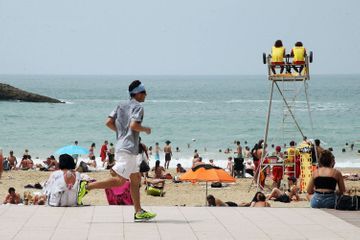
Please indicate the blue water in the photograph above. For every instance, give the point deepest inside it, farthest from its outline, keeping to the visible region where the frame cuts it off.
(212, 110)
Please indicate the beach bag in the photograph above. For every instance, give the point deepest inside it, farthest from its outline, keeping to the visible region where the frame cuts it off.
(346, 202)
(153, 191)
(119, 195)
(216, 185)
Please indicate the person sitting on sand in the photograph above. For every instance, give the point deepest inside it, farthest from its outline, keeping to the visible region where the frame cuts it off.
(37, 199)
(179, 168)
(216, 202)
(26, 164)
(62, 186)
(197, 161)
(159, 170)
(249, 167)
(322, 185)
(259, 200)
(12, 197)
(51, 164)
(12, 160)
(291, 194)
(26, 154)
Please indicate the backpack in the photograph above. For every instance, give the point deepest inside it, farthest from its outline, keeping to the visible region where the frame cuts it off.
(346, 202)
(119, 195)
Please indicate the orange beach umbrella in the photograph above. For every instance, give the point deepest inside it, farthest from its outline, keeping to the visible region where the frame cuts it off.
(206, 173)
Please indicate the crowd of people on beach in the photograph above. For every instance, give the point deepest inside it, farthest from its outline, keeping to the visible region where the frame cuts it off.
(241, 163)
(128, 164)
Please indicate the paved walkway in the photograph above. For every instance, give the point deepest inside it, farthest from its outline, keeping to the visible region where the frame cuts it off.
(116, 222)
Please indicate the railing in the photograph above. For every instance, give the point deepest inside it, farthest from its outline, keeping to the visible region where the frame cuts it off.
(288, 65)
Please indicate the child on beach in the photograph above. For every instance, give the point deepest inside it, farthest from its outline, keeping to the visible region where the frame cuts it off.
(180, 169)
(12, 197)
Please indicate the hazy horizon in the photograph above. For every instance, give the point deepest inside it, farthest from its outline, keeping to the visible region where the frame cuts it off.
(159, 37)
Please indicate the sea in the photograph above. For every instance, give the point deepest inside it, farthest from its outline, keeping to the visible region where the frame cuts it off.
(206, 113)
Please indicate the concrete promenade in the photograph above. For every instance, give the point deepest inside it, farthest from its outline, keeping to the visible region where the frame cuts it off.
(116, 222)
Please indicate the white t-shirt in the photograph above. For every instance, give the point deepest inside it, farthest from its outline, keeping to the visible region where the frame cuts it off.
(58, 193)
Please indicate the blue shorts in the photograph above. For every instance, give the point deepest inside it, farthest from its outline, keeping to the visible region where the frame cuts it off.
(320, 200)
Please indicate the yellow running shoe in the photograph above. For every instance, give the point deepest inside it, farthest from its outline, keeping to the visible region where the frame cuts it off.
(143, 216)
(82, 191)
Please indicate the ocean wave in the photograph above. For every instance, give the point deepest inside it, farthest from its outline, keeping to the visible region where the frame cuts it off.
(250, 101)
(175, 101)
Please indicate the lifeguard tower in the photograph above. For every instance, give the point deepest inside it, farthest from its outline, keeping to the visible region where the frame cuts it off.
(289, 85)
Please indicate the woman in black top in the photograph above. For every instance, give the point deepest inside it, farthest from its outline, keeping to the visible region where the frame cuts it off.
(322, 185)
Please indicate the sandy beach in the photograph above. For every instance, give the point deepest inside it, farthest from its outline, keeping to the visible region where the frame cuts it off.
(176, 194)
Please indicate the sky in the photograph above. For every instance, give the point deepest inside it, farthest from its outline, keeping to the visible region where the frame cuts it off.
(173, 37)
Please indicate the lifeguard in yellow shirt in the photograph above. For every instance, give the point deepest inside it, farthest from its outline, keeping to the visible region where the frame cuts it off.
(298, 53)
(277, 56)
(292, 162)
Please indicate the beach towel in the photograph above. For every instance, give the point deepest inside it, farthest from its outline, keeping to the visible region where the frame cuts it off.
(119, 195)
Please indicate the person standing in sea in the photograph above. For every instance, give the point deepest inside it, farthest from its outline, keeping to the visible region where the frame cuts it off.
(168, 154)
(103, 152)
(126, 120)
(157, 151)
(91, 151)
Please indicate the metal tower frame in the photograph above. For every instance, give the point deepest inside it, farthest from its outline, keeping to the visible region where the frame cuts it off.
(289, 78)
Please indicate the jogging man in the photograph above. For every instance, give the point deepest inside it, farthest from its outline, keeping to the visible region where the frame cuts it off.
(125, 120)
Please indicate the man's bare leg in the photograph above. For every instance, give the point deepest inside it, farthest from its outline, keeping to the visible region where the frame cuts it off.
(135, 179)
(114, 181)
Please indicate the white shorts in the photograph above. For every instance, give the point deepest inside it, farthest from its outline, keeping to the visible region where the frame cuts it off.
(126, 164)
